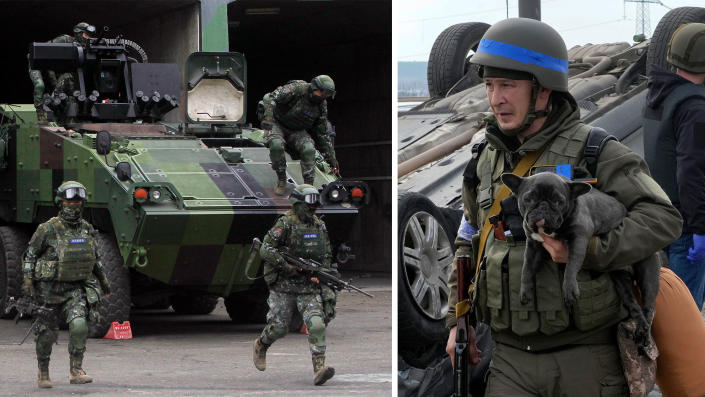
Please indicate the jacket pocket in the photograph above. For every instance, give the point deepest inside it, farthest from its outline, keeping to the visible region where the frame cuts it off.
(598, 303)
(525, 319)
(45, 270)
(549, 299)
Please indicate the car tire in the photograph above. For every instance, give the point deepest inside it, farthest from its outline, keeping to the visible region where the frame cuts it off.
(116, 308)
(448, 61)
(13, 243)
(425, 248)
(658, 48)
(194, 303)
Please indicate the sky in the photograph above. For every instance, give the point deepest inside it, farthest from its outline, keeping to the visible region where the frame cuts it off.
(419, 22)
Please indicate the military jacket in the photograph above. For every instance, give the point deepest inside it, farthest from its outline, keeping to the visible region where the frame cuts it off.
(289, 106)
(61, 258)
(545, 322)
(308, 241)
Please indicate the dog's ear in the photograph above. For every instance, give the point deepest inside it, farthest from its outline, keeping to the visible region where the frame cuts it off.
(579, 188)
(512, 181)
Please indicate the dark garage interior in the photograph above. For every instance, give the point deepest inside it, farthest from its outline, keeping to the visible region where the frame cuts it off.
(352, 42)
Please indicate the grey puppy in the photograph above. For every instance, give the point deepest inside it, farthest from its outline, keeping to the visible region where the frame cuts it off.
(574, 212)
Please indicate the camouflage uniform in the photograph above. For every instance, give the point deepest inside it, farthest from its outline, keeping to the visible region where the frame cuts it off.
(292, 290)
(65, 82)
(300, 122)
(62, 269)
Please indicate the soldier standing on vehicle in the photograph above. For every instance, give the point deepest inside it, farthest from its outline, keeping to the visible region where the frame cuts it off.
(674, 143)
(82, 33)
(62, 270)
(301, 232)
(542, 347)
(295, 116)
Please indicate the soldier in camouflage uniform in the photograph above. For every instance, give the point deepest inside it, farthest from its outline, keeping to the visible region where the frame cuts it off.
(295, 115)
(82, 33)
(62, 271)
(305, 235)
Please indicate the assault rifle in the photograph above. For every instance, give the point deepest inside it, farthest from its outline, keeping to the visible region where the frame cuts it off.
(315, 269)
(466, 352)
(25, 307)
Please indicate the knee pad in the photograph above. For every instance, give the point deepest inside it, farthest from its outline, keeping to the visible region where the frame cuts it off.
(315, 325)
(276, 145)
(78, 332)
(308, 153)
(276, 333)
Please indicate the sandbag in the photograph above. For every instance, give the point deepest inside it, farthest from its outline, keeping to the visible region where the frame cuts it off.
(679, 332)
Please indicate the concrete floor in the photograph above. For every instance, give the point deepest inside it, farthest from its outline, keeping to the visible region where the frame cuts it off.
(175, 355)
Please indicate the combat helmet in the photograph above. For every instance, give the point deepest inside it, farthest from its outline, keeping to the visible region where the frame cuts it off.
(526, 45)
(304, 194)
(325, 84)
(80, 29)
(686, 49)
(71, 191)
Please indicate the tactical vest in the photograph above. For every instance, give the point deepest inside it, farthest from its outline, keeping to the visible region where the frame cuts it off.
(660, 138)
(496, 297)
(299, 114)
(308, 241)
(75, 250)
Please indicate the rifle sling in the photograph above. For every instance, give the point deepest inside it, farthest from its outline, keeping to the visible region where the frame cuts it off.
(525, 164)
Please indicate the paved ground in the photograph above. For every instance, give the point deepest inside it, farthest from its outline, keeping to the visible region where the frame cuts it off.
(173, 355)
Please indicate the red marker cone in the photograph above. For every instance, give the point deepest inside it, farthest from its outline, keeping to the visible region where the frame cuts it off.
(119, 331)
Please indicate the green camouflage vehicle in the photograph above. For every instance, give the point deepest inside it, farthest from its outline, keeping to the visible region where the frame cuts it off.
(177, 204)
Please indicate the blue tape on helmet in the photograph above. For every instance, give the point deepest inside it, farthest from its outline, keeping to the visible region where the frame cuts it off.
(466, 230)
(522, 55)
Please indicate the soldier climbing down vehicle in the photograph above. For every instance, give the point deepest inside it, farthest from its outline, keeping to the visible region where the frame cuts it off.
(295, 116)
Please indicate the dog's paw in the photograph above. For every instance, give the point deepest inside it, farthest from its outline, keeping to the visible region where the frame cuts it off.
(537, 237)
(641, 334)
(525, 295)
(571, 293)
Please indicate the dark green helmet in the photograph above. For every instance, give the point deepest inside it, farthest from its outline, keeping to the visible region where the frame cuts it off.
(325, 84)
(84, 27)
(526, 45)
(304, 194)
(686, 49)
(71, 191)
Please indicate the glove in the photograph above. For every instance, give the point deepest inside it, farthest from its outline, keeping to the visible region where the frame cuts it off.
(27, 287)
(697, 253)
(333, 162)
(266, 125)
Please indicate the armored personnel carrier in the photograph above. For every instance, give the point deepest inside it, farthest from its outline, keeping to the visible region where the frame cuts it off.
(176, 204)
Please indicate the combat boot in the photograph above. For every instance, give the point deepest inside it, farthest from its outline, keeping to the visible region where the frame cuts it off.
(280, 187)
(43, 380)
(76, 374)
(41, 116)
(259, 354)
(321, 373)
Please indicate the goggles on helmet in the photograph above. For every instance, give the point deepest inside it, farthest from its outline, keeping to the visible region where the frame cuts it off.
(308, 198)
(73, 192)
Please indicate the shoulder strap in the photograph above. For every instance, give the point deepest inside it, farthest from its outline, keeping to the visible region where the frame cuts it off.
(596, 140)
(475, 151)
(521, 169)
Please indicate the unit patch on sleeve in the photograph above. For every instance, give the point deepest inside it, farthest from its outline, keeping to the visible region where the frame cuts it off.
(276, 232)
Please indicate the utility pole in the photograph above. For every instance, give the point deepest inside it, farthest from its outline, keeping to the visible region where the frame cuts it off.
(643, 18)
(530, 9)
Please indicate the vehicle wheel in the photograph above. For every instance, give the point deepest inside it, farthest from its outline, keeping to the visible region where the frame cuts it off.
(248, 307)
(448, 62)
(117, 307)
(658, 48)
(194, 304)
(425, 258)
(13, 243)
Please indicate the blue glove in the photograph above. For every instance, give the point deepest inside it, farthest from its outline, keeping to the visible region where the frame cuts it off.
(466, 230)
(697, 253)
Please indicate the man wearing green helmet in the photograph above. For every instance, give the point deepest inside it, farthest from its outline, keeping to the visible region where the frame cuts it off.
(295, 117)
(301, 232)
(674, 143)
(62, 271)
(82, 33)
(544, 347)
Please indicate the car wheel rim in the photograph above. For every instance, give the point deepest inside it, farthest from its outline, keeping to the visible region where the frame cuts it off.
(427, 257)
